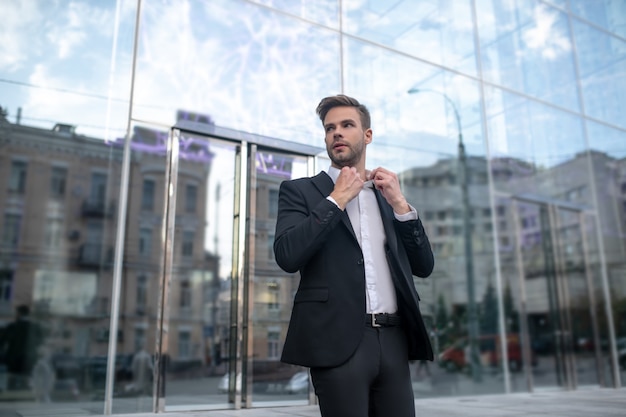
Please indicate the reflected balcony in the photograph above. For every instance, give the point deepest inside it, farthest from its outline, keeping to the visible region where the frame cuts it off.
(94, 255)
(97, 208)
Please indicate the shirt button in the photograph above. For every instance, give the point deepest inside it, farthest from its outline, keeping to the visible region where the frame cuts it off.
(359, 262)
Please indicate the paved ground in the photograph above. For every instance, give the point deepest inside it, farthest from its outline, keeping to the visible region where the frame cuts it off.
(591, 402)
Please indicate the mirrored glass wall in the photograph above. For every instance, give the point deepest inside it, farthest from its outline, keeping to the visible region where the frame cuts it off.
(503, 120)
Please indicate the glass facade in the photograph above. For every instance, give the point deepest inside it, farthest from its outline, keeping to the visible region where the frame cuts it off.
(142, 144)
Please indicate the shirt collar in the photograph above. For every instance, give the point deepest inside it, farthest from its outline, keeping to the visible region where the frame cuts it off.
(333, 173)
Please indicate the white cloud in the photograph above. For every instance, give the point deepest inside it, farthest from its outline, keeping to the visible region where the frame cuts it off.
(545, 36)
(21, 21)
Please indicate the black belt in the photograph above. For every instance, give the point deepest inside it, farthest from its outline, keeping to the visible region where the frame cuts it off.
(382, 320)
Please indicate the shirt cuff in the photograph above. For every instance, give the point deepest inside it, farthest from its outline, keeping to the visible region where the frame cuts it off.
(332, 200)
(411, 215)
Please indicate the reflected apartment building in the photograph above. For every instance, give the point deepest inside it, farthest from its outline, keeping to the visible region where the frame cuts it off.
(548, 249)
(58, 235)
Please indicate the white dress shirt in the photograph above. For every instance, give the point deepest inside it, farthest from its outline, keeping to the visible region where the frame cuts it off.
(366, 221)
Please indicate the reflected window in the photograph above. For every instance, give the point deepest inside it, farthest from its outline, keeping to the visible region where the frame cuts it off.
(273, 203)
(191, 195)
(187, 244)
(273, 342)
(184, 344)
(145, 241)
(147, 195)
(97, 195)
(6, 285)
(270, 246)
(17, 182)
(185, 295)
(58, 179)
(11, 230)
(273, 300)
(141, 295)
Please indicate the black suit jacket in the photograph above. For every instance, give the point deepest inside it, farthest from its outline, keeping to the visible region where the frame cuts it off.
(313, 236)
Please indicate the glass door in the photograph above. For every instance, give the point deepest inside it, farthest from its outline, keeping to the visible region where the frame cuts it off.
(270, 290)
(552, 293)
(199, 337)
(225, 304)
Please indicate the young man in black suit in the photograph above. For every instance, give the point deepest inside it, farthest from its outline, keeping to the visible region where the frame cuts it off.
(357, 244)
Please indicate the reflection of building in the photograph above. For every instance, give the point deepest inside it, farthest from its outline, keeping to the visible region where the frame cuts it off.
(434, 191)
(273, 288)
(59, 218)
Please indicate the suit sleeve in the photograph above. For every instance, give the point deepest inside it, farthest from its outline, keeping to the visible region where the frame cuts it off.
(302, 226)
(417, 246)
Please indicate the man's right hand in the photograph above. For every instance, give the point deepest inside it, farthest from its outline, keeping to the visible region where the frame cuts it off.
(349, 184)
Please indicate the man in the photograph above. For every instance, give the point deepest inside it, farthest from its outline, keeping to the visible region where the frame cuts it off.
(19, 343)
(356, 243)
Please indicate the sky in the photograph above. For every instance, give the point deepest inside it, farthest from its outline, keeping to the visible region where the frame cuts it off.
(257, 70)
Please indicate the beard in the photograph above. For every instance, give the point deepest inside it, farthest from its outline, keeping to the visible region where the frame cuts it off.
(349, 156)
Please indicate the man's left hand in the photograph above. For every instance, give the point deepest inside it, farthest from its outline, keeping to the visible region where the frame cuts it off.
(387, 183)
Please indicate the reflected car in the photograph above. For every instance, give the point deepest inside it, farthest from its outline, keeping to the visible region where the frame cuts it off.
(453, 358)
(298, 384)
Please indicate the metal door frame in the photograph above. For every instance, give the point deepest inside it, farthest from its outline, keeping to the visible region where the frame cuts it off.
(567, 363)
(243, 250)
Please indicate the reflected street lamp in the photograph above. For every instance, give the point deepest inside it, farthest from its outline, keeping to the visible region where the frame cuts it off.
(472, 318)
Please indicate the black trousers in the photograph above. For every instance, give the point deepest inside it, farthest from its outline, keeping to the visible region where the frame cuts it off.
(374, 382)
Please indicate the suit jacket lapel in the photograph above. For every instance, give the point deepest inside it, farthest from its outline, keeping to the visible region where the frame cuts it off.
(325, 185)
(386, 213)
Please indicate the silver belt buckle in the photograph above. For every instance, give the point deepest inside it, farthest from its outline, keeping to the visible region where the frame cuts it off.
(374, 324)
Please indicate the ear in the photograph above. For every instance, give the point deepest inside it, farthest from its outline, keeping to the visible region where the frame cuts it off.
(368, 136)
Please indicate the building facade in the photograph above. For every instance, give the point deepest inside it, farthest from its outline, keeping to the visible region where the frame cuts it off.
(143, 143)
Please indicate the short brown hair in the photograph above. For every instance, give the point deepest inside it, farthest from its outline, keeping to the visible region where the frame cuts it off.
(341, 100)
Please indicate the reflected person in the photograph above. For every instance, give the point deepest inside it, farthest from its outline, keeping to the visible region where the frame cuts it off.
(19, 344)
(357, 243)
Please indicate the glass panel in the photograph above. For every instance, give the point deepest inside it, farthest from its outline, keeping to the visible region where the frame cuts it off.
(526, 46)
(527, 138)
(58, 204)
(572, 265)
(43, 81)
(272, 289)
(438, 31)
(610, 175)
(609, 15)
(411, 109)
(245, 65)
(602, 66)
(325, 12)
(132, 389)
(59, 187)
(522, 360)
(459, 300)
(200, 291)
(543, 306)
